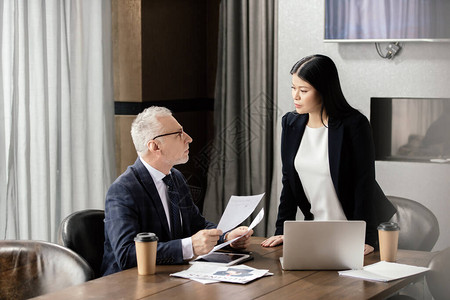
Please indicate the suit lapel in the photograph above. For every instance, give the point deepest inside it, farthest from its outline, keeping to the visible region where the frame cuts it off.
(146, 181)
(297, 125)
(335, 138)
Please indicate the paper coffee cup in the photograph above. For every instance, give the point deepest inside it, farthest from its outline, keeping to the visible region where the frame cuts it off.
(388, 237)
(146, 243)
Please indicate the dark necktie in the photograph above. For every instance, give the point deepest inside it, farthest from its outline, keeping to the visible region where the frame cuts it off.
(174, 199)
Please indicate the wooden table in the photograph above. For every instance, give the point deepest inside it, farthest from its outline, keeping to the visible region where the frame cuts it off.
(282, 285)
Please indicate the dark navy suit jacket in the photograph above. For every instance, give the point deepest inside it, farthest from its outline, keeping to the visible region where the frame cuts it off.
(132, 206)
(352, 166)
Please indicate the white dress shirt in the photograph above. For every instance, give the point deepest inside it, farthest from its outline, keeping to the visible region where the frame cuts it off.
(161, 187)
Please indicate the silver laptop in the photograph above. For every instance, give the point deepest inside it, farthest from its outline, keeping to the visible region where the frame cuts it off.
(323, 245)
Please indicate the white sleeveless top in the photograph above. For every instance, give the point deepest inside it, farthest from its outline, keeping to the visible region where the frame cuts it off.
(312, 165)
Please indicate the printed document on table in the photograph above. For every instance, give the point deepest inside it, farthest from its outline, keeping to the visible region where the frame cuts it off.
(384, 271)
(209, 273)
(238, 209)
(255, 222)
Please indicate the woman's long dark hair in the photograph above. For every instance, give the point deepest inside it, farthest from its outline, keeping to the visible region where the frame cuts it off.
(321, 72)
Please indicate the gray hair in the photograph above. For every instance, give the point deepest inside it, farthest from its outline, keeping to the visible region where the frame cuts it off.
(146, 126)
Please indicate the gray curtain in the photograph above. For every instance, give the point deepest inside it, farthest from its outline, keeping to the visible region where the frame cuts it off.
(56, 113)
(242, 155)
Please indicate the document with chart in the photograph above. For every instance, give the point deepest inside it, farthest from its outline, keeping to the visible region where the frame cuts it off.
(210, 273)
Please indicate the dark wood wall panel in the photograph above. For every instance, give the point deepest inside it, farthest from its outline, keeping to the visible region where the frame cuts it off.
(175, 67)
(179, 45)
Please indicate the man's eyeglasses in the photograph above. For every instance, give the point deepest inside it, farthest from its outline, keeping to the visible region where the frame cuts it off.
(179, 132)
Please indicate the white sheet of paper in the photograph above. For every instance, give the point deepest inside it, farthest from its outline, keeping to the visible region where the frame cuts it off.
(205, 281)
(255, 222)
(238, 209)
(384, 271)
(257, 219)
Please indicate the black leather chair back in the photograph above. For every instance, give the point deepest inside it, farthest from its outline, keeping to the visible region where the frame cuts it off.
(438, 278)
(83, 232)
(32, 268)
(419, 227)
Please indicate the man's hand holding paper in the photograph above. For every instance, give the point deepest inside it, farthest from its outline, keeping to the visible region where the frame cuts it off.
(238, 209)
(204, 240)
(244, 233)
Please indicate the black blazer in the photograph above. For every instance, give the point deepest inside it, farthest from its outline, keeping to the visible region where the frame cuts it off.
(352, 167)
(132, 206)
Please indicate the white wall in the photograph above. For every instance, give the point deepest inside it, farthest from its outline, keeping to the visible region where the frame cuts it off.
(420, 70)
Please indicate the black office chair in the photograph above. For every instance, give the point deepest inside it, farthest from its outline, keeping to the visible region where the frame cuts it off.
(83, 232)
(32, 268)
(419, 228)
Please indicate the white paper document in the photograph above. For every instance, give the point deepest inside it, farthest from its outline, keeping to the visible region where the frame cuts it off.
(238, 209)
(384, 271)
(210, 273)
(255, 222)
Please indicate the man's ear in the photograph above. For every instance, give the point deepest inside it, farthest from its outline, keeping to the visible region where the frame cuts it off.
(153, 146)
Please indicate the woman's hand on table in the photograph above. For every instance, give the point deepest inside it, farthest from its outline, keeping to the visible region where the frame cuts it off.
(368, 249)
(273, 241)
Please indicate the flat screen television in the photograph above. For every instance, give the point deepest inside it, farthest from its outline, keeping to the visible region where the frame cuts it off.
(387, 20)
(411, 129)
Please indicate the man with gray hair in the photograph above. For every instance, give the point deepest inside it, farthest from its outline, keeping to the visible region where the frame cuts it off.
(152, 196)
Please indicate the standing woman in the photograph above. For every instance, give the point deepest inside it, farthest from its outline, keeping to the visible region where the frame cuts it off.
(328, 155)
